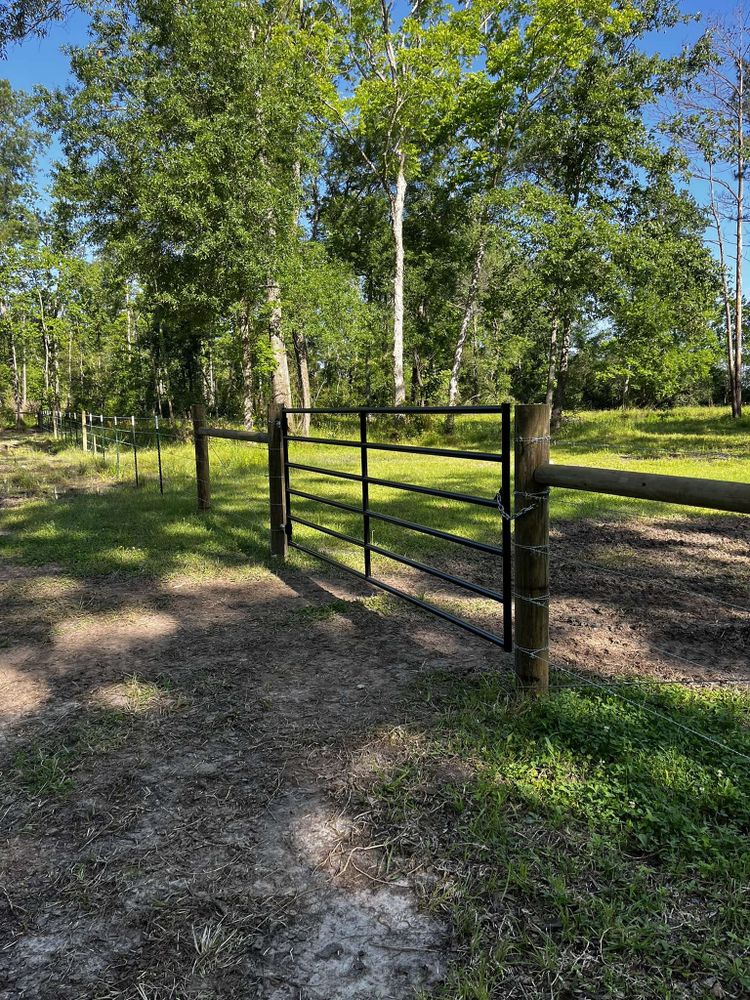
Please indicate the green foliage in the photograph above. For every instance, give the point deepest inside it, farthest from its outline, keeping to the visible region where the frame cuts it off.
(227, 197)
(44, 774)
(21, 19)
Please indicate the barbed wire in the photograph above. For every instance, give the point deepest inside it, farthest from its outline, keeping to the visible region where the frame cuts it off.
(636, 577)
(586, 447)
(661, 650)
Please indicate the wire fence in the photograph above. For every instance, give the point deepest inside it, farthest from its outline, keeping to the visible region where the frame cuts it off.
(643, 704)
(632, 640)
(120, 439)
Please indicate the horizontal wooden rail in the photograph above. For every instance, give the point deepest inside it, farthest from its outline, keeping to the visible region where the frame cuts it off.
(714, 494)
(260, 437)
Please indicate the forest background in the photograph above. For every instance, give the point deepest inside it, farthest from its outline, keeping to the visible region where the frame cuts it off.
(326, 203)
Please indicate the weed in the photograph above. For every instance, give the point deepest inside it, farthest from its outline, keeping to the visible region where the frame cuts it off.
(214, 945)
(319, 612)
(44, 774)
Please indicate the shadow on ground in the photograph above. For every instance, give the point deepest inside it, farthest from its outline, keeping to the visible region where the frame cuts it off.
(167, 754)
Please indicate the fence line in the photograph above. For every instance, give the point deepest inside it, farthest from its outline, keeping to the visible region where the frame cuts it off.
(94, 432)
(535, 478)
(544, 551)
(611, 689)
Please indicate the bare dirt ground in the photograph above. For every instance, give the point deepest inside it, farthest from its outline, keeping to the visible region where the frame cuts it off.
(174, 804)
(667, 598)
(174, 835)
(676, 605)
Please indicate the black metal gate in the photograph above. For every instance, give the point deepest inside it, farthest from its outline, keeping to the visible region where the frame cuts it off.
(368, 514)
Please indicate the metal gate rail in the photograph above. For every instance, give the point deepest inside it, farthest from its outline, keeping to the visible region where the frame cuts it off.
(367, 513)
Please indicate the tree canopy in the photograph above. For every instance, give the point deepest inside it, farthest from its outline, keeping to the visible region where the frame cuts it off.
(355, 202)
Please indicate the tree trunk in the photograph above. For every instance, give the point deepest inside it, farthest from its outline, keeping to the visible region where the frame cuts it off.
(16, 381)
(477, 394)
(210, 383)
(397, 225)
(729, 334)
(417, 382)
(128, 320)
(56, 371)
(739, 239)
(552, 363)
(469, 307)
(51, 368)
(303, 373)
(281, 390)
(558, 405)
(45, 343)
(246, 345)
(70, 370)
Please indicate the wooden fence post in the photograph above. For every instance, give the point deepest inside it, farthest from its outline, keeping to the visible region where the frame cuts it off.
(202, 469)
(117, 445)
(84, 432)
(531, 544)
(277, 482)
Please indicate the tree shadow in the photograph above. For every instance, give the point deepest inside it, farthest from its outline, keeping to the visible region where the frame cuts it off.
(150, 729)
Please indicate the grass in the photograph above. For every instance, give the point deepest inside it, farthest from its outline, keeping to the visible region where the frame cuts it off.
(131, 531)
(42, 773)
(684, 434)
(579, 846)
(46, 770)
(42, 467)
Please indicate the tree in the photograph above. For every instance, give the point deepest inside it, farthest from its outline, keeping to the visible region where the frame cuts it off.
(526, 48)
(588, 148)
(18, 144)
(347, 203)
(184, 139)
(21, 18)
(712, 124)
(405, 78)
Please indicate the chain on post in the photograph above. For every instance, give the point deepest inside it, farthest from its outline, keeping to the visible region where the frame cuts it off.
(536, 498)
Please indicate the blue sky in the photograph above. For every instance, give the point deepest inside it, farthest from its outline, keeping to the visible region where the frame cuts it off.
(43, 61)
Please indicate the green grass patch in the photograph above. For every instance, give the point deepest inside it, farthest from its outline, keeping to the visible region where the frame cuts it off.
(132, 531)
(320, 612)
(581, 846)
(43, 773)
(47, 770)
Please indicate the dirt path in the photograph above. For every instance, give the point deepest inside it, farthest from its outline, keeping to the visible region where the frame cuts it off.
(176, 835)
